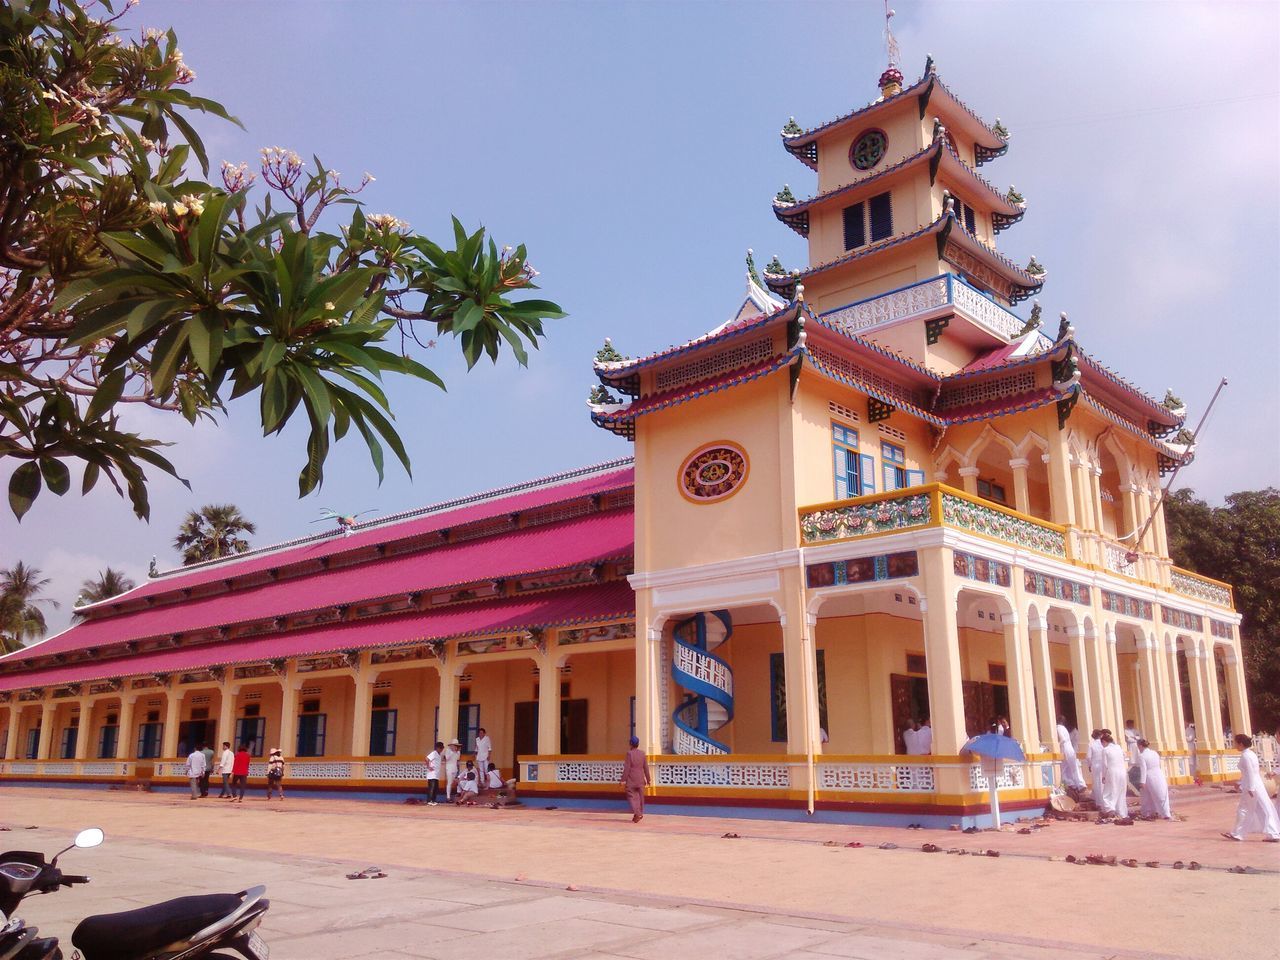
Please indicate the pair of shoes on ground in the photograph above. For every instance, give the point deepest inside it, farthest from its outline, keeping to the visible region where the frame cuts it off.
(368, 873)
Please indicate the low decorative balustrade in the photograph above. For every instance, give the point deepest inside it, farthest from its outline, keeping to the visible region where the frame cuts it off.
(991, 521)
(876, 777)
(589, 771)
(1231, 763)
(739, 774)
(925, 297)
(1202, 588)
(1013, 777)
(864, 516)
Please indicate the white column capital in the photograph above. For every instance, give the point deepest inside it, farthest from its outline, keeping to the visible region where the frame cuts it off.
(968, 471)
(1045, 458)
(1019, 463)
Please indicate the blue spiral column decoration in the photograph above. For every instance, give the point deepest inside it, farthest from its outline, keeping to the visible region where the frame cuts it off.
(708, 703)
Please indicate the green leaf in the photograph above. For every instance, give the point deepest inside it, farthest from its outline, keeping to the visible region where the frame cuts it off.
(105, 397)
(56, 475)
(468, 317)
(24, 487)
(204, 333)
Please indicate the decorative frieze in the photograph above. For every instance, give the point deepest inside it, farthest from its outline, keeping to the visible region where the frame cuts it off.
(336, 661)
(476, 592)
(253, 671)
(612, 631)
(145, 683)
(877, 777)
(973, 567)
(401, 655)
(1222, 629)
(1173, 617)
(1056, 588)
(967, 515)
(1127, 606)
(547, 581)
(862, 519)
(520, 641)
(887, 566)
(760, 776)
(197, 676)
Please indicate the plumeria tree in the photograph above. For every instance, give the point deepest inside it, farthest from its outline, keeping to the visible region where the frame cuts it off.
(126, 277)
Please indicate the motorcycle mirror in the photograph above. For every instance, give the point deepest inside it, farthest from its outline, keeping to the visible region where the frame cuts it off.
(89, 837)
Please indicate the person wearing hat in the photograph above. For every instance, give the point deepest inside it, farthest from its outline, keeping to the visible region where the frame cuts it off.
(275, 773)
(451, 754)
(635, 777)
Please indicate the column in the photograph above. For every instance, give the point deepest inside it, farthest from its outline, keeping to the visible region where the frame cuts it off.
(1175, 691)
(1060, 493)
(1213, 696)
(549, 707)
(1143, 503)
(124, 736)
(1146, 676)
(1129, 515)
(85, 732)
(1080, 495)
(648, 670)
(47, 709)
(290, 687)
(1237, 699)
(227, 716)
(1021, 495)
(362, 707)
(450, 684)
(172, 713)
(969, 476)
(1095, 488)
(1195, 680)
(942, 655)
(1042, 672)
(1116, 718)
(1080, 683)
(1099, 683)
(11, 735)
(1021, 698)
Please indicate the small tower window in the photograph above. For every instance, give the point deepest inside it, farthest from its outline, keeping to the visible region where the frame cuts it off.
(873, 219)
(868, 149)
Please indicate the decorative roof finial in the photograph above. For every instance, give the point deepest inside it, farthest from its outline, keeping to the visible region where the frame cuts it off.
(1035, 267)
(600, 396)
(1014, 197)
(784, 196)
(1065, 328)
(751, 267)
(1173, 403)
(792, 129)
(153, 570)
(774, 268)
(607, 354)
(890, 44)
(999, 130)
(928, 64)
(948, 204)
(1034, 322)
(799, 293)
(939, 131)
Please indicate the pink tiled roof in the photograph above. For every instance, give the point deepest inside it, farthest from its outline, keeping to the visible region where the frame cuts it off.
(574, 605)
(568, 543)
(387, 530)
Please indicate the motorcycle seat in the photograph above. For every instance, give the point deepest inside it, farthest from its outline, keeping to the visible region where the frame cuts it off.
(134, 933)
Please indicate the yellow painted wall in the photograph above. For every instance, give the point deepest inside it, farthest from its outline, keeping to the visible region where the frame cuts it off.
(414, 695)
(268, 701)
(607, 682)
(748, 654)
(903, 128)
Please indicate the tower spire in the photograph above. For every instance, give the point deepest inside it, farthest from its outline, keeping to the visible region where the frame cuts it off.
(891, 79)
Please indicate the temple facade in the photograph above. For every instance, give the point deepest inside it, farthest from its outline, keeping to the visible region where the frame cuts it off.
(876, 493)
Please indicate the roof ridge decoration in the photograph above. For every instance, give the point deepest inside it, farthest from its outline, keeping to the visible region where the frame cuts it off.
(496, 493)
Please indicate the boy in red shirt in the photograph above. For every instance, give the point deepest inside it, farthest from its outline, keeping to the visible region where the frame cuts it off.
(240, 774)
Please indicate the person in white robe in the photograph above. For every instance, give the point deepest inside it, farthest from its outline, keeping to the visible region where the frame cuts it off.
(924, 738)
(484, 747)
(1191, 745)
(1131, 738)
(1152, 783)
(1095, 766)
(1255, 813)
(1070, 762)
(909, 737)
(1115, 778)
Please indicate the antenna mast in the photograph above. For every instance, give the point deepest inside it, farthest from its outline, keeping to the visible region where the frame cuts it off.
(890, 42)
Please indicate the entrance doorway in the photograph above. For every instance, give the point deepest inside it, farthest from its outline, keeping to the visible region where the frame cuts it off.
(192, 733)
(910, 697)
(524, 741)
(573, 726)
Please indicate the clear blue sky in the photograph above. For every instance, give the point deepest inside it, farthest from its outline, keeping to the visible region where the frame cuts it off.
(1144, 138)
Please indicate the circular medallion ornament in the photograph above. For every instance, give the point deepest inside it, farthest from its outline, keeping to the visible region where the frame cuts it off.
(868, 149)
(714, 472)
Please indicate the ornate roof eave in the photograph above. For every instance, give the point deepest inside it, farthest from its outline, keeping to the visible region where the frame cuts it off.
(824, 330)
(616, 373)
(622, 420)
(1024, 284)
(1110, 381)
(1001, 205)
(796, 215)
(1178, 453)
(853, 255)
(803, 146)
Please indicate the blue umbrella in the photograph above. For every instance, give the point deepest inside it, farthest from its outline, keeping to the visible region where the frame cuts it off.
(996, 747)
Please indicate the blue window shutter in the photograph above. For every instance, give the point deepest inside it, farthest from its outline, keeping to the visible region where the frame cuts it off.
(881, 209)
(890, 477)
(868, 472)
(915, 478)
(842, 483)
(855, 226)
(969, 220)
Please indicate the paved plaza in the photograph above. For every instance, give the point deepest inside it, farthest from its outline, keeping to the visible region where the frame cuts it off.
(576, 884)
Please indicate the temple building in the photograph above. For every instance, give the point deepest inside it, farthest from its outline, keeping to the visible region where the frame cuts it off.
(876, 493)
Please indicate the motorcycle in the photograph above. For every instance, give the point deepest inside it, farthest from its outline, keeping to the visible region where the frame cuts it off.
(180, 929)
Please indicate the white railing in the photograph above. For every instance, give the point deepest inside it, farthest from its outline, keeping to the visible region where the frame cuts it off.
(1231, 763)
(877, 777)
(890, 307)
(392, 770)
(588, 771)
(702, 666)
(20, 767)
(1012, 777)
(753, 775)
(687, 745)
(1116, 559)
(104, 768)
(984, 311)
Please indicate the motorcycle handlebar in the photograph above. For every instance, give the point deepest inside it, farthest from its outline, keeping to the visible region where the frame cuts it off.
(69, 879)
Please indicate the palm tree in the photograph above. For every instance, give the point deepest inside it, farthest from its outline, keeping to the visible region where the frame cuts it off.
(212, 532)
(109, 583)
(21, 618)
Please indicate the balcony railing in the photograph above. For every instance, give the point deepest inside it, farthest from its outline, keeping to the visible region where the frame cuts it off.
(927, 296)
(1202, 588)
(930, 505)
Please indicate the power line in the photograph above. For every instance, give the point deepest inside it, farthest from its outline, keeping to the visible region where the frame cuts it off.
(1147, 111)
